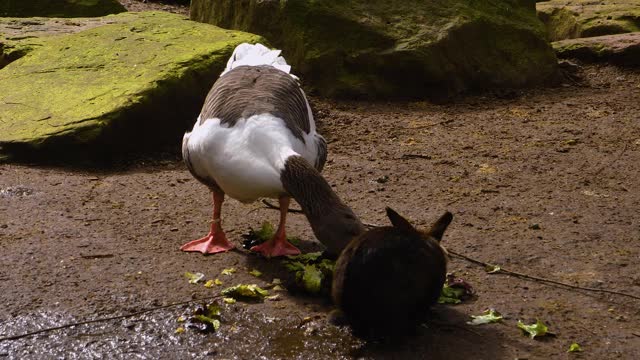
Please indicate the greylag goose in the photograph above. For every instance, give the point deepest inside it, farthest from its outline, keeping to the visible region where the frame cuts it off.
(255, 138)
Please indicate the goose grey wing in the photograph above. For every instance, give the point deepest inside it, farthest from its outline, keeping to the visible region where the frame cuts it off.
(253, 90)
(321, 158)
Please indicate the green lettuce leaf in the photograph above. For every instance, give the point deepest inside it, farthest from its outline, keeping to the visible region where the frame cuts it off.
(489, 316)
(252, 291)
(575, 347)
(312, 279)
(194, 278)
(451, 295)
(533, 330)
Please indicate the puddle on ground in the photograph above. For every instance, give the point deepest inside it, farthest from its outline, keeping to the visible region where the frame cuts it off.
(16, 191)
(244, 334)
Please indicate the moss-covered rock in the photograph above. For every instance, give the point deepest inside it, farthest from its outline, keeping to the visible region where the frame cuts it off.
(569, 19)
(560, 23)
(59, 8)
(138, 81)
(621, 49)
(20, 35)
(381, 48)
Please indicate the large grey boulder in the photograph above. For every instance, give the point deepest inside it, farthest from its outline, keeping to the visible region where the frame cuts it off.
(382, 48)
(620, 49)
(126, 82)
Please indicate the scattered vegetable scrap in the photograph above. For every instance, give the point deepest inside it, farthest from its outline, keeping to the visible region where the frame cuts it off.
(217, 282)
(228, 271)
(209, 284)
(306, 258)
(206, 318)
(313, 273)
(277, 285)
(229, 300)
(575, 347)
(489, 316)
(450, 295)
(194, 278)
(312, 279)
(257, 237)
(455, 290)
(255, 273)
(244, 291)
(266, 232)
(492, 269)
(533, 330)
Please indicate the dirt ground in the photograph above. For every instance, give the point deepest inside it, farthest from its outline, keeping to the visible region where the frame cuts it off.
(543, 182)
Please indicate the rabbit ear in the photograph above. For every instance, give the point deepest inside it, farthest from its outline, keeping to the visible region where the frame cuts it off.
(438, 228)
(398, 221)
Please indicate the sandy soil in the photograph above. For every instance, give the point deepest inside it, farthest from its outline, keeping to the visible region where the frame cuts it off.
(543, 182)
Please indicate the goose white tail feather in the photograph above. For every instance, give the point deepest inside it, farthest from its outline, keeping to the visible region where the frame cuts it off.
(254, 55)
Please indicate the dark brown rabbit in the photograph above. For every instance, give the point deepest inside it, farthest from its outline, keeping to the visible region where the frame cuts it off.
(386, 279)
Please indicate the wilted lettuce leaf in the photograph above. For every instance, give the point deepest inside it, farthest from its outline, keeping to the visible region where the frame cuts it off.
(255, 273)
(492, 269)
(215, 323)
(293, 266)
(489, 316)
(575, 347)
(312, 279)
(213, 310)
(450, 295)
(455, 290)
(265, 233)
(194, 278)
(312, 272)
(228, 271)
(533, 330)
(205, 318)
(327, 267)
(252, 291)
(305, 258)
(456, 282)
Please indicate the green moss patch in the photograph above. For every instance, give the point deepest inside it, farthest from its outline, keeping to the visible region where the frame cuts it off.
(138, 81)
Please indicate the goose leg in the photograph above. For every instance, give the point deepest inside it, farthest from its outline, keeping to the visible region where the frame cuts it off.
(278, 246)
(215, 241)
